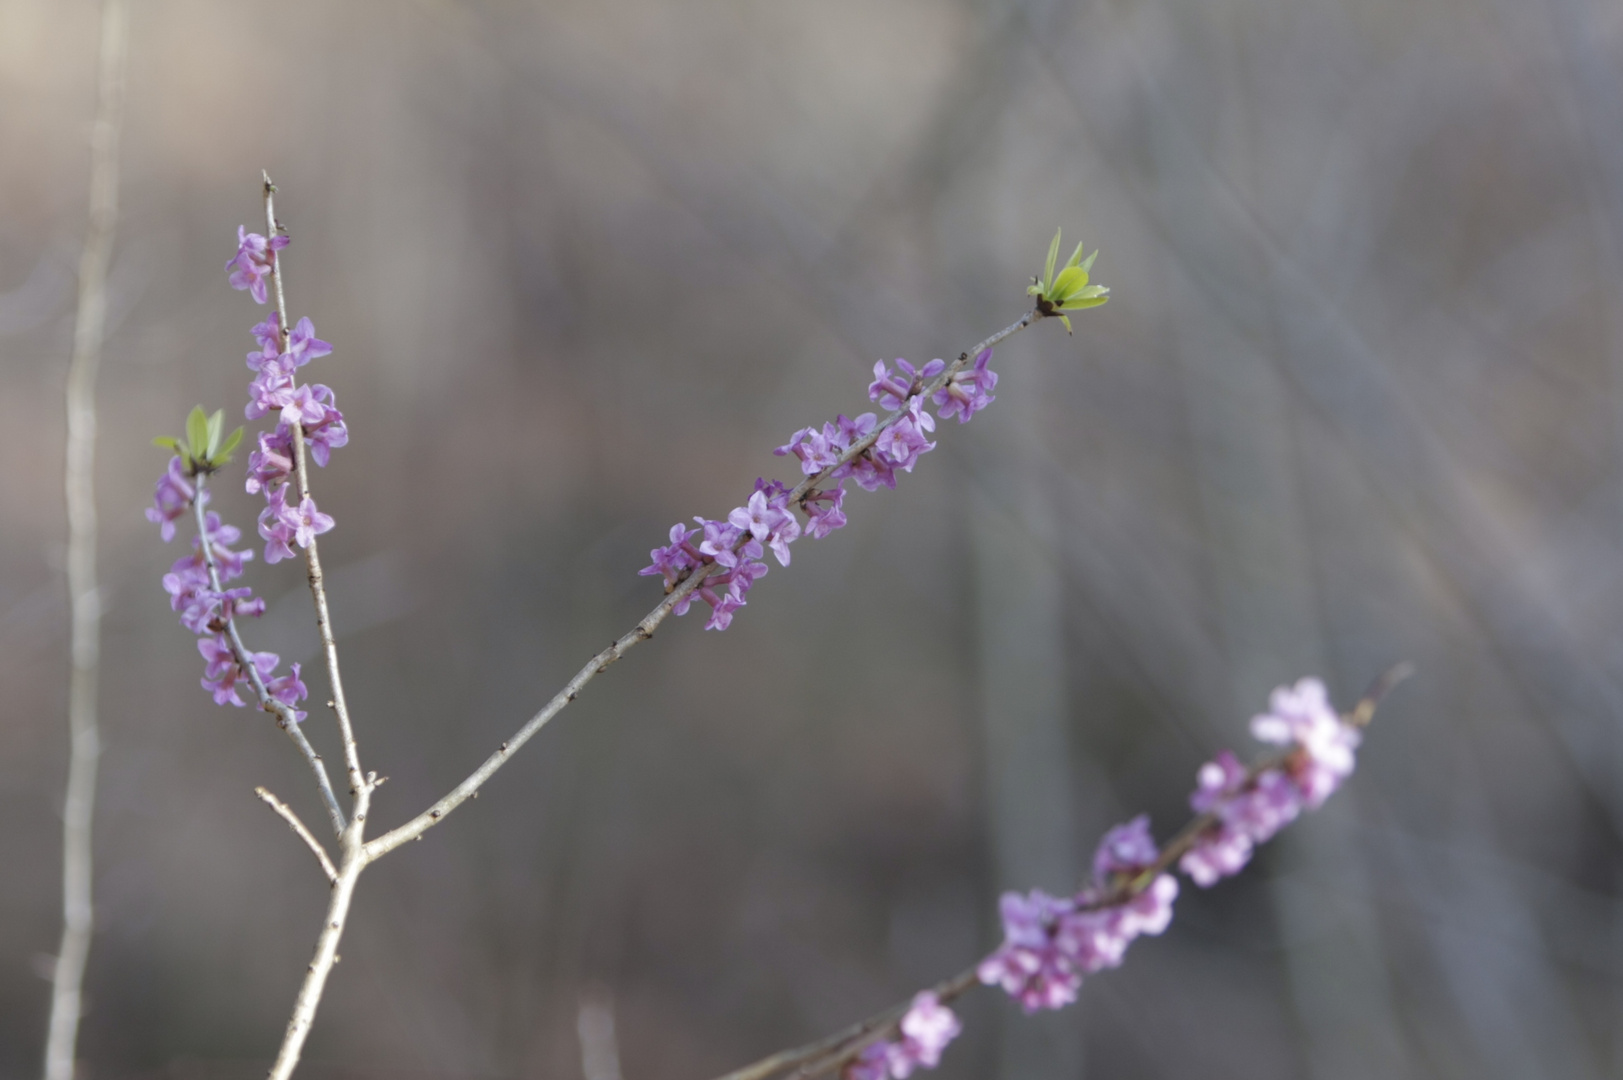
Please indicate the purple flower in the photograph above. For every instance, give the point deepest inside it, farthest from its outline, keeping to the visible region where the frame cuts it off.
(824, 519)
(219, 536)
(222, 672)
(274, 526)
(892, 389)
(889, 389)
(253, 262)
(846, 433)
(303, 346)
(1125, 850)
(269, 391)
(1150, 912)
(272, 463)
(1219, 851)
(1268, 804)
(720, 538)
(328, 432)
(171, 498)
(269, 334)
(968, 391)
(721, 609)
(1029, 965)
(903, 442)
(926, 1029)
(301, 406)
(307, 522)
(676, 559)
(1326, 748)
(186, 577)
(815, 449)
(766, 519)
(289, 690)
(873, 1063)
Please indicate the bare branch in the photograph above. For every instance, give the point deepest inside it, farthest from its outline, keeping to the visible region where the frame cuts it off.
(352, 860)
(283, 715)
(645, 629)
(303, 833)
(318, 587)
(90, 323)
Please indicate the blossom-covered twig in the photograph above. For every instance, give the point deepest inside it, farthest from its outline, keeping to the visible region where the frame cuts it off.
(679, 594)
(1092, 931)
(249, 664)
(301, 473)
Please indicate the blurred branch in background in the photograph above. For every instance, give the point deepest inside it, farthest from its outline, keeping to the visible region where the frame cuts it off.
(84, 595)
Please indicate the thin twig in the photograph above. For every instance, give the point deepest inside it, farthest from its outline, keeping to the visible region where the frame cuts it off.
(645, 629)
(283, 715)
(833, 1051)
(318, 587)
(89, 328)
(303, 833)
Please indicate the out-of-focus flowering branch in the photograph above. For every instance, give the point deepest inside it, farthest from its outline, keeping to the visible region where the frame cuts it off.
(1051, 943)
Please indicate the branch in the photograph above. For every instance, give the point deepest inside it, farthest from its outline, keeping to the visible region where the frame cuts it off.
(284, 717)
(318, 587)
(90, 324)
(303, 833)
(833, 1051)
(645, 629)
(352, 860)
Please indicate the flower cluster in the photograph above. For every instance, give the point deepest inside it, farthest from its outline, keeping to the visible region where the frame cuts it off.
(926, 1029)
(1251, 807)
(254, 261)
(738, 543)
(208, 612)
(205, 610)
(1051, 942)
(275, 389)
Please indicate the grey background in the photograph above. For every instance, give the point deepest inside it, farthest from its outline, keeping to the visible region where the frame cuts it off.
(1358, 397)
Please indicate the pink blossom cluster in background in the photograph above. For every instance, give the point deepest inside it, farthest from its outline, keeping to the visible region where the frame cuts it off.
(283, 523)
(926, 1029)
(1250, 809)
(1050, 943)
(738, 543)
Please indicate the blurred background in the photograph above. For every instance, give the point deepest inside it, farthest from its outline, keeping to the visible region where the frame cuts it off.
(1358, 397)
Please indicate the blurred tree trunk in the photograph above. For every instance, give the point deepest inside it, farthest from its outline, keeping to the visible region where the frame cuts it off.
(1260, 568)
(1021, 651)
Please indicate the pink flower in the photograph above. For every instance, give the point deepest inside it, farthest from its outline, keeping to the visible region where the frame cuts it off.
(254, 260)
(1302, 715)
(171, 498)
(926, 1030)
(968, 391)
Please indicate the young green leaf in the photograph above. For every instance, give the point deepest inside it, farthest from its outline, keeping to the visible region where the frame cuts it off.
(167, 443)
(223, 455)
(197, 431)
(1053, 253)
(216, 426)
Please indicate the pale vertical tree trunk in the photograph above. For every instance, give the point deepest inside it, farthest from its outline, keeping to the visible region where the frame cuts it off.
(1020, 647)
(85, 748)
(1263, 585)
